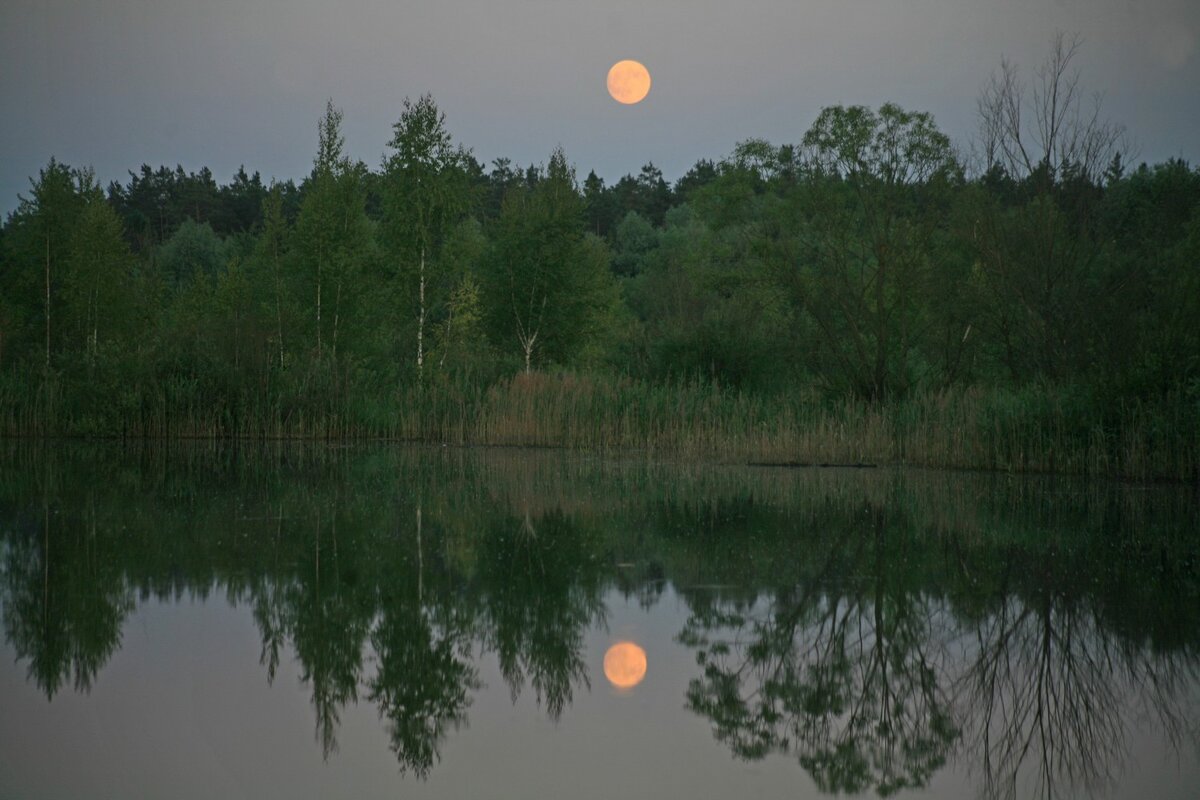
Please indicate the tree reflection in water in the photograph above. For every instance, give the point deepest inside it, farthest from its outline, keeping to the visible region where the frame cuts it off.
(422, 685)
(63, 601)
(875, 629)
(1048, 697)
(873, 682)
(853, 683)
(539, 597)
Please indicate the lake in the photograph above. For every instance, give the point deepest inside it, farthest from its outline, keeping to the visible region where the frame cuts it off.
(201, 620)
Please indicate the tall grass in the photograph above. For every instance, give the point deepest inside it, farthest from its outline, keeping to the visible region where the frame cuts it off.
(1031, 430)
(1036, 429)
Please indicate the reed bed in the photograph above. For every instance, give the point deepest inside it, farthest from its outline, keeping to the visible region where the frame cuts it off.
(1037, 429)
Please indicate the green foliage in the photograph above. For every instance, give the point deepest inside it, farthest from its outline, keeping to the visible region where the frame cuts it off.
(38, 245)
(634, 242)
(426, 191)
(332, 236)
(711, 308)
(843, 294)
(424, 179)
(271, 259)
(193, 250)
(547, 284)
(877, 195)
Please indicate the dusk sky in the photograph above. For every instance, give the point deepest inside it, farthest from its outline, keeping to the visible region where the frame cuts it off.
(114, 83)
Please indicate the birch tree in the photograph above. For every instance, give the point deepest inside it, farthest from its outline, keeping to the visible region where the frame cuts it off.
(272, 247)
(425, 192)
(548, 284)
(43, 225)
(332, 227)
(98, 286)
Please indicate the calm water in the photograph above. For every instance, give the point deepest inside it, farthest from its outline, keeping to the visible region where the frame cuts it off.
(382, 622)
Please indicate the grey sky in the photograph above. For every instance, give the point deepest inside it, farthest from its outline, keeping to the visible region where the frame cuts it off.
(114, 83)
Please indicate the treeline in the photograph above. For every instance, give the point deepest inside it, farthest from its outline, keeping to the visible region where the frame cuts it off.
(1040, 289)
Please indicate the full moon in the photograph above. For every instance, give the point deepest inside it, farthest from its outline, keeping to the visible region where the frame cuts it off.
(625, 665)
(628, 82)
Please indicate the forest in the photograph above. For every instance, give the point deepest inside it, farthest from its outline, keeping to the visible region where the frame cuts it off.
(871, 293)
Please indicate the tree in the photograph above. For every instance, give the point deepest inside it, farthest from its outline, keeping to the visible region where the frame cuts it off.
(1148, 342)
(597, 205)
(1045, 128)
(655, 193)
(547, 281)
(872, 208)
(700, 175)
(232, 297)
(765, 162)
(712, 307)
(43, 224)
(425, 192)
(1039, 253)
(193, 249)
(500, 180)
(332, 227)
(636, 239)
(460, 339)
(99, 283)
(241, 202)
(648, 194)
(272, 247)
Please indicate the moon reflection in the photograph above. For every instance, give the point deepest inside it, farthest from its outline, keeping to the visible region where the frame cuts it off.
(625, 665)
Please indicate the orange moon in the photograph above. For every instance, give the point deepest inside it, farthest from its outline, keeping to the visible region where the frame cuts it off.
(628, 82)
(625, 665)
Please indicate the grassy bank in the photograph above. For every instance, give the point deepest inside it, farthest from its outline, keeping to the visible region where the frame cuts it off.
(1037, 429)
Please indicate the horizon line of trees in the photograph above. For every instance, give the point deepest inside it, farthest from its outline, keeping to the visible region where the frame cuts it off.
(865, 259)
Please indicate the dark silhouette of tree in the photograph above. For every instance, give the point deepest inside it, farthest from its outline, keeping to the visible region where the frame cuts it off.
(63, 598)
(1048, 698)
(853, 684)
(422, 684)
(540, 601)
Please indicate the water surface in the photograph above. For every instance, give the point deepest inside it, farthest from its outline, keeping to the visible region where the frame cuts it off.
(373, 622)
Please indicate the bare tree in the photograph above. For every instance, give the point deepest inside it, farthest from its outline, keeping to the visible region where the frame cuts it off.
(1049, 699)
(852, 683)
(1039, 256)
(1048, 124)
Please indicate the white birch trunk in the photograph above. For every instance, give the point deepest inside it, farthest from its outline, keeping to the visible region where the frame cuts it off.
(421, 318)
(320, 258)
(47, 302)
(446, 341)
(279, 308)
(337, 313)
